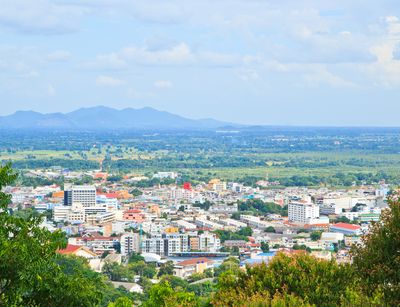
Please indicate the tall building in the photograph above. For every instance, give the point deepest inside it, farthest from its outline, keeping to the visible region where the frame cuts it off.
(67, 198)
(130, 243)
(302, 212)
(85, 195)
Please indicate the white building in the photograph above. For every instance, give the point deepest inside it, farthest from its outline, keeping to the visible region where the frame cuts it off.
(208, 242)
(302, 212)
(130, 243)
(85, 195)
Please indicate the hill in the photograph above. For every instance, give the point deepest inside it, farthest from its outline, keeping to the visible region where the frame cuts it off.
(99, 118)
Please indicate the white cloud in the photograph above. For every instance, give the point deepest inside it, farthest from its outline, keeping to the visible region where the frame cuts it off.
(321, 76)
(39, 17)
(163, 84)
(51, 91)
(108, 81)
(59, 56)
(179, 54)
(136, 94)
(386, 69)
(248, 75)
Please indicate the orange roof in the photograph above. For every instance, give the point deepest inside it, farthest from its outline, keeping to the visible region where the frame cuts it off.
(193, 261)
(346, 226)
(70, 249)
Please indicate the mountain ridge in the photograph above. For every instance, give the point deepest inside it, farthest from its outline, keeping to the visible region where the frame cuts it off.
(103, 117)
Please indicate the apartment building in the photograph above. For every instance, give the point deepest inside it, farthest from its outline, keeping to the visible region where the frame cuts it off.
(302, 212)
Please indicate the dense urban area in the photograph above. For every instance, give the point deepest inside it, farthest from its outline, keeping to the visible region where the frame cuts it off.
(171, 219)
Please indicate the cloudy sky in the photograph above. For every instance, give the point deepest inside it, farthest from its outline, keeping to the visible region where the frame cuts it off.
(276, 62)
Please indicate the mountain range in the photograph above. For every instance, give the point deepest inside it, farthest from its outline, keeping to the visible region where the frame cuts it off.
(99, 118)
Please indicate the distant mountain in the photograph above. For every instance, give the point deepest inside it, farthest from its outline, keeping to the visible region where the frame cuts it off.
(98, 118)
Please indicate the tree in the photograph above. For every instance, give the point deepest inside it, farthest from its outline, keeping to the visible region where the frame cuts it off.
(136, 192)
(135, 257)
(32, 273)
(265, 247)
(143, 269)
(315, 235)
(163, 294)
(246, 231)
(121, 302)
(270, 229)
(377, 258)
(166, 269)
(117, 272)
(300, 277)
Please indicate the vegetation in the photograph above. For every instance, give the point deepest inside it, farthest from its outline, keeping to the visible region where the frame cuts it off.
(32, 273)
(337, 157)
(257, 206)
(377, 259)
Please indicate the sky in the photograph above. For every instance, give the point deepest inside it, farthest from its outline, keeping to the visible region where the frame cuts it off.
(268, 62)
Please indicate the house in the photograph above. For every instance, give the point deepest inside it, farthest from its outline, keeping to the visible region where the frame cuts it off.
(188, 267)
(346, 229)
(77, 250)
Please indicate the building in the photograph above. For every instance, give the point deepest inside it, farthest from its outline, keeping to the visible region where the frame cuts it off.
(153, 245)
(130, 243)
(85, 195)
(78, 250)
(208, 242)
(189, 267)
(302, 212)
(346, 229)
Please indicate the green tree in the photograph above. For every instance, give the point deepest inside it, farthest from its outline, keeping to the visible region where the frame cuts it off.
(32, 273)
(315, 235)
(163, 294)
(245, 231)
(121, 302)
(143, 269)
(166, 269)
(117, 272)
(135, 257)
(377, 258)
(265, 247)
(308, 280)
(270, 229)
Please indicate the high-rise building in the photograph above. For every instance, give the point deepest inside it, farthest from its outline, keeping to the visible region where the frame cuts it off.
(85, 195)
(130, 243)
(302, 212)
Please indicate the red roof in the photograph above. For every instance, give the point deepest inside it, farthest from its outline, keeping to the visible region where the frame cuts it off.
(70, 249)
(193, 261)
(347, 226)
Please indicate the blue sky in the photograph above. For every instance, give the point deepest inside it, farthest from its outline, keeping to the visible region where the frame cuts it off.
(304, 62)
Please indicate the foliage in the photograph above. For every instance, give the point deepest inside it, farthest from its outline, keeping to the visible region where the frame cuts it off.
(302, 277)
(377, 258)
(135, 257)
(258, 206)
(166, 269)
(136, 192)
(315, 235)
(245, 231)
(230, 235)
(143, 269)
(117, 272)
(265, 247)
(121, 302)
(163, 294)
(204, 205)
(31, 270)
(270, 229)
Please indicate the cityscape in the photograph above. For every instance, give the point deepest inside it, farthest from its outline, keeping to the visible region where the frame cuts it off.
(199, 153)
